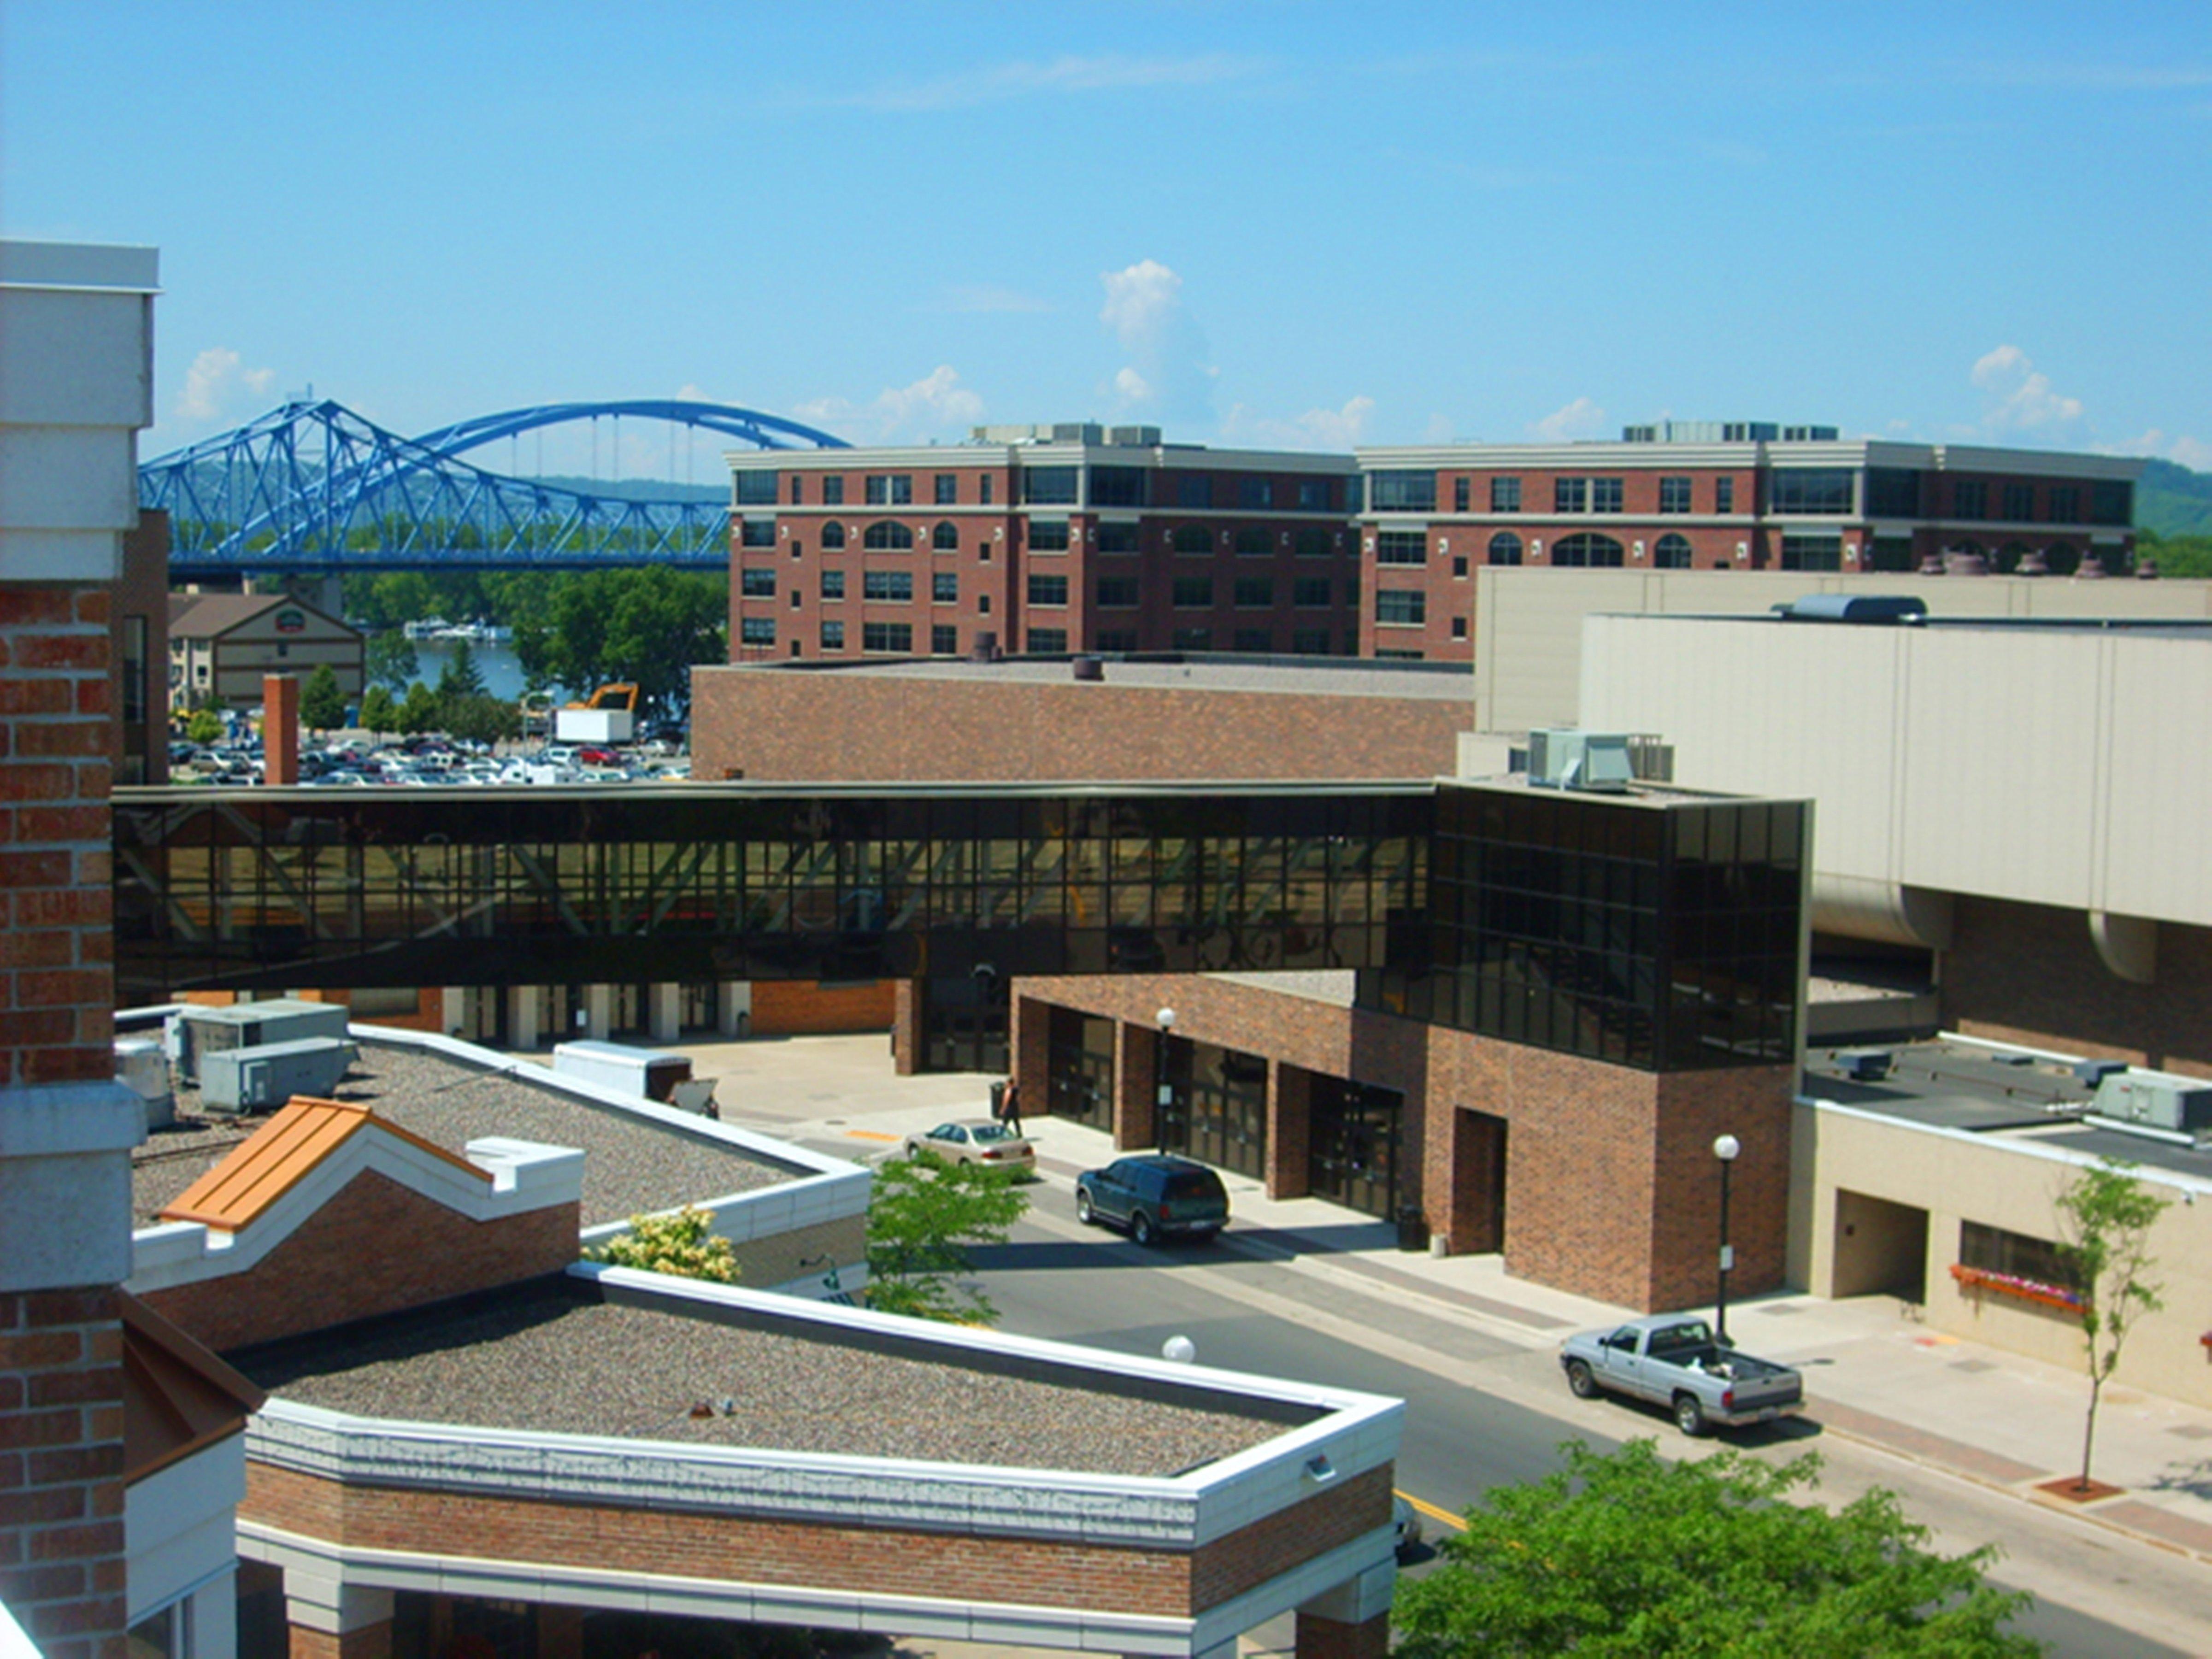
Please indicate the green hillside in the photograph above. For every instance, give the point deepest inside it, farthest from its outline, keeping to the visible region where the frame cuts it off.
(2173, 500)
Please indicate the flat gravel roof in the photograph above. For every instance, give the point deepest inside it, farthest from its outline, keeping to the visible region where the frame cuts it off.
(552, 1358)
(631, 1165)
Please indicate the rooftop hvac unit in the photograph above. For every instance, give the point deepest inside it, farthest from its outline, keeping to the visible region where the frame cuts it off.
(253, 1079)
(200, 1031)
(141, 1065)
(2155, 1100)
(1562, 759)
(1865, 1065)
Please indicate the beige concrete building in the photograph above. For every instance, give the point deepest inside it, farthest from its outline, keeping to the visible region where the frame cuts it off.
(222, 645)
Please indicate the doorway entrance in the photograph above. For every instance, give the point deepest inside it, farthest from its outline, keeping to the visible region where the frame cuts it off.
(1216, 1108)
(1079, 1070)
(1353, 1145)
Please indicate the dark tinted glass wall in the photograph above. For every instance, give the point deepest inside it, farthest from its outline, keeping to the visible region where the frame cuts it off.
(1663, 938)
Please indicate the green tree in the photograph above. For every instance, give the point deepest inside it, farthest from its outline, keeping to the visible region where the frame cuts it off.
(2105, 1217)
(680, 1242)
(460, 677)
(480, 719)
(378, 711)
(204, 727)
(391, 661)
(420, 711)
(923, 1215)
(322, 705)
(646, 623)
(1626, 1554)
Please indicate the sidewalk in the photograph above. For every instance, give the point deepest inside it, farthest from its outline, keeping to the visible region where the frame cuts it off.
(1994, 1418)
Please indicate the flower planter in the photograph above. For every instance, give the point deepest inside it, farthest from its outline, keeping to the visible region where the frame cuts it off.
(1982, 1280)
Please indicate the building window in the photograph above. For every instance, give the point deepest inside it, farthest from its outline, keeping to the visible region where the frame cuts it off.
(833, 635)
(1724, 495)
(1401, 547)
(1893, 492)
(833, 584)
(1117, 639)
(1193, 639)
(944, 488)
(1402, 490)
(2062, 504)
(1310, 642)
(887, 637)
(2016, 1256)
(1459, 628)
(891, 489)
(1050, 486)
(945, 587)
(1117, 486)
(985, 488)
(1047, 641)
(944, 640)
(833, 492)
(1254, 641)
(1048, 590)
(798, 493)
(1505, 548)
(2112, 502)
(1311, 592)
(1970, 499)
(1256, 495)
(756, 630)
(833, 538)
(1673, 552)
(888, 536)
(1605, 494)
(1506, 494)
(1048, 535)
(982, 604)
(892, 586)
(1463, 494)
(1570, 495)
(1313, 495)
(758, 583)
(1400, 607)
(1824, 491)
(1673, 494)
(1312, 544)
(756, 489)
(1192, 539)
(1117, 592)
(1586, 550)
(1804, 552)
(1194, 490)
(756, 532)
(798, 547)
(944, 535)
(1255, 594)
(1384, 655)
(1194, 592)
(1116, 538)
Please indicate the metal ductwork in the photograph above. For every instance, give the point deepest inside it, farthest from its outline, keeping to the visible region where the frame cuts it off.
(2128, 944)
(1887, 912)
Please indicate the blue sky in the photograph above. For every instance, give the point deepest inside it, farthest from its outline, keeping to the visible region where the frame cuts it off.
(1296, 225)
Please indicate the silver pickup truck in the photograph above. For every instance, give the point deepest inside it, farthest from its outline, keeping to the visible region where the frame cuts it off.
(1675, 1362)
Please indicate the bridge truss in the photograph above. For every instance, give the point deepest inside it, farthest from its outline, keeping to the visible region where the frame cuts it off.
(311, 486)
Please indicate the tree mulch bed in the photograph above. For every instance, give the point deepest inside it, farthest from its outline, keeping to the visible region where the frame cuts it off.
(2074, 1490)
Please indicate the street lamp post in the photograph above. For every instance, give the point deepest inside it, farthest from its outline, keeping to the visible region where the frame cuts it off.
(1164, 1090)
(1725, 1148)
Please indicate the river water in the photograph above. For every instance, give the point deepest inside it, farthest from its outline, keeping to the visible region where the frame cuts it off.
(497, 664)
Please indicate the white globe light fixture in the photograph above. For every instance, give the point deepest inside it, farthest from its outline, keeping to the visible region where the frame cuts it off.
(1726, 1148)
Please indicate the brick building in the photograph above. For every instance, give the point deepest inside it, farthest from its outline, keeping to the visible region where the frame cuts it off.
(1041, 540)
(222, 646)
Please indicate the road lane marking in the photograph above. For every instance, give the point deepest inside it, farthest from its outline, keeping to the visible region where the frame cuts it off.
(1457, 1523)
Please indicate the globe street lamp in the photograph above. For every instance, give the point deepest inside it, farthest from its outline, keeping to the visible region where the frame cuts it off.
(1725, 1148)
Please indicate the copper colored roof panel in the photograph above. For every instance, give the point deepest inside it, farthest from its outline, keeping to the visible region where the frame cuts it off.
(277, 1158)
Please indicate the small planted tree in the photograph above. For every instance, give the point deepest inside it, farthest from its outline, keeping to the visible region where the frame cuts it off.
(2105, 1218)
(205, 726)
(679, 1242)
(322, 705)
(420, 712)
(922, 1216)
(378, 711)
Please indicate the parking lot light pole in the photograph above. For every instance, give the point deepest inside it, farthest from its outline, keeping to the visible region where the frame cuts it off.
(1725, 1148)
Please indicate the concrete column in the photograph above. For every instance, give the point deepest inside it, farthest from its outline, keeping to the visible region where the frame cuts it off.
(457, 1008)
(599, 1013)
(665, 1016)
(733, 1014)
(215, 1618)
(1353, 1620)
(525, 1016)
(331, 1620)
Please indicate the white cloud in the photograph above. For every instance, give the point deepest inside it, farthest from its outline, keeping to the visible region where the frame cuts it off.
(2194, 453)
(1581, 418)
(216, 374)
(1169, 368)
(1063, 77)
(1317, 429)
(936, 403)
(2023, 400)
(689, 393)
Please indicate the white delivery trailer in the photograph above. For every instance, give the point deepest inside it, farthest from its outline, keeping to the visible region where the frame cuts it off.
(594, 726)
(652, 1072)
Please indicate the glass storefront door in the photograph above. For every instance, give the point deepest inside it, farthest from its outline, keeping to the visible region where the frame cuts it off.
(1218, 1109)
(1080, 1068)
(1353, 1145)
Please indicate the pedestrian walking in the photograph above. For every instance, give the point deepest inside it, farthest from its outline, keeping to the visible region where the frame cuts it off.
(1009, 1106)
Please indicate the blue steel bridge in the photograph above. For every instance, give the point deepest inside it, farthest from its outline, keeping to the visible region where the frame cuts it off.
(312, 487)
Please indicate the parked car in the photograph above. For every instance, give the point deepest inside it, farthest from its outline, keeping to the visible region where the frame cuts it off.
(975, 1140)
(1154, 1194)
(1675, 1362)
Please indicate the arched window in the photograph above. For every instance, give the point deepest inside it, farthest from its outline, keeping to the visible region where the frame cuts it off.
(833, 535)
(888, 534)
(1673, 552)
(945, 538)
(1588, 548)
(1193, 538)
(1505, 548)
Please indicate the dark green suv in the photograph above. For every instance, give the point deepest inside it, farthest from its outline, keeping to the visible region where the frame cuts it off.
(1154, 1195)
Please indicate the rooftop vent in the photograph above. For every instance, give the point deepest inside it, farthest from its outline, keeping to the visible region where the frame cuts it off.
(1594, 761)
(1886, 609)
(2154, 1100)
